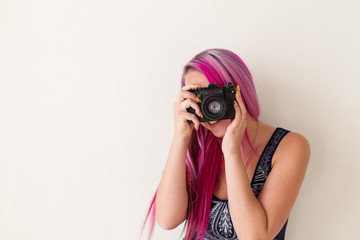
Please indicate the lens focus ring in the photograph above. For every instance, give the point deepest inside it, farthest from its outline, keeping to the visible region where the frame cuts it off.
(214, 107)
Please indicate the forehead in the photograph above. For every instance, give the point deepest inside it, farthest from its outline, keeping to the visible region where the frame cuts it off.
(196, 77)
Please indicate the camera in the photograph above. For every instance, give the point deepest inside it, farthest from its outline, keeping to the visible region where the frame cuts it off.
(217, 103)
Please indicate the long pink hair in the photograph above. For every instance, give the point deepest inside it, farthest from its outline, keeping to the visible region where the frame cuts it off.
(204, 157)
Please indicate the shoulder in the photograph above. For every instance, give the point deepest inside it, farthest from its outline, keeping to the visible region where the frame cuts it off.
(293, 146)
(285, 179)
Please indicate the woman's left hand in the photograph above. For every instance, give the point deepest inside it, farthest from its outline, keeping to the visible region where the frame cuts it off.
(234, 133)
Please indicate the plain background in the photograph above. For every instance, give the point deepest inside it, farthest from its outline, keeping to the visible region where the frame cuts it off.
(86, 103)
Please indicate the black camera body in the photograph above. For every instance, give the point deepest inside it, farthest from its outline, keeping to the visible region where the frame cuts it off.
(217, 103)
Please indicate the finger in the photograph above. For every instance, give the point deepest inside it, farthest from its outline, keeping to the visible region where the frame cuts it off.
(241, 105)
(190, 86)
(184, 94)
(238, 91)
(185, 89)
(237, 108)
(193, 118)
(181, 97)
(189, 103)
(236, 121)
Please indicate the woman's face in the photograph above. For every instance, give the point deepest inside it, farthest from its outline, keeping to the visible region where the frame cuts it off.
(198, 78)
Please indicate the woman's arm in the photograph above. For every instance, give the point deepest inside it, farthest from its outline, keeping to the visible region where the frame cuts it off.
(172, 197)
(263, 217)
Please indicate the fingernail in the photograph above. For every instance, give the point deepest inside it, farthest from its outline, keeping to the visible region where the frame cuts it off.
(197, 129)
(238, 88)
(201, 115)
(236, 103)
(199, 100)
(197, 85)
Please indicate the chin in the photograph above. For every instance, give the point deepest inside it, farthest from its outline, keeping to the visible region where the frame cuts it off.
(218, 130)
(218, 135)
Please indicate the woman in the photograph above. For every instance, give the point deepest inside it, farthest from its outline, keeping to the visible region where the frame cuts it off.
(214, 177)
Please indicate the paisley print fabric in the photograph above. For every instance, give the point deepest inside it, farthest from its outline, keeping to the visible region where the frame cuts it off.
(220, 225)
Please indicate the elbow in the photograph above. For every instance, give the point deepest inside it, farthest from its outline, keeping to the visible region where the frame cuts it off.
(170, 217)
(166, 224)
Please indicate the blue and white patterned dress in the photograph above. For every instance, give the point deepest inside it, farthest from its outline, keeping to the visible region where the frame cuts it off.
(220, 225)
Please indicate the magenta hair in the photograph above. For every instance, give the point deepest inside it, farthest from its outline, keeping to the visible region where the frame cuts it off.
(204, 157)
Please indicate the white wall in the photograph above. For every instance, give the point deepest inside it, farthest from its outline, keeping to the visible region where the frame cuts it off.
(86, 96)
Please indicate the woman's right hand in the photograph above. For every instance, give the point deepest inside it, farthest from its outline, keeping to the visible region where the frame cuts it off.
(186, 99)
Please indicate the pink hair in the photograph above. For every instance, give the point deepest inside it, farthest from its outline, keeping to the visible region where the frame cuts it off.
(204, 157)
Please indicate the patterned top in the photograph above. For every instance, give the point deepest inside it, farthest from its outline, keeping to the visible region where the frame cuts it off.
(220, 225)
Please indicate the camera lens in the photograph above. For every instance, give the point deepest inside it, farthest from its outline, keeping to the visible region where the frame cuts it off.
(214, 107)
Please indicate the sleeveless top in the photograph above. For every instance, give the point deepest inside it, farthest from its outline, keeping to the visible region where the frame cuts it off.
(220, 225)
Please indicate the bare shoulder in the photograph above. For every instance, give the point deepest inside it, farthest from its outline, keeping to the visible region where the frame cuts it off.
(294, 146)
(285, 179)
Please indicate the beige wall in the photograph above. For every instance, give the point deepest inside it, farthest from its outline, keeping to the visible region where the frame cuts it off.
(86, 96)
